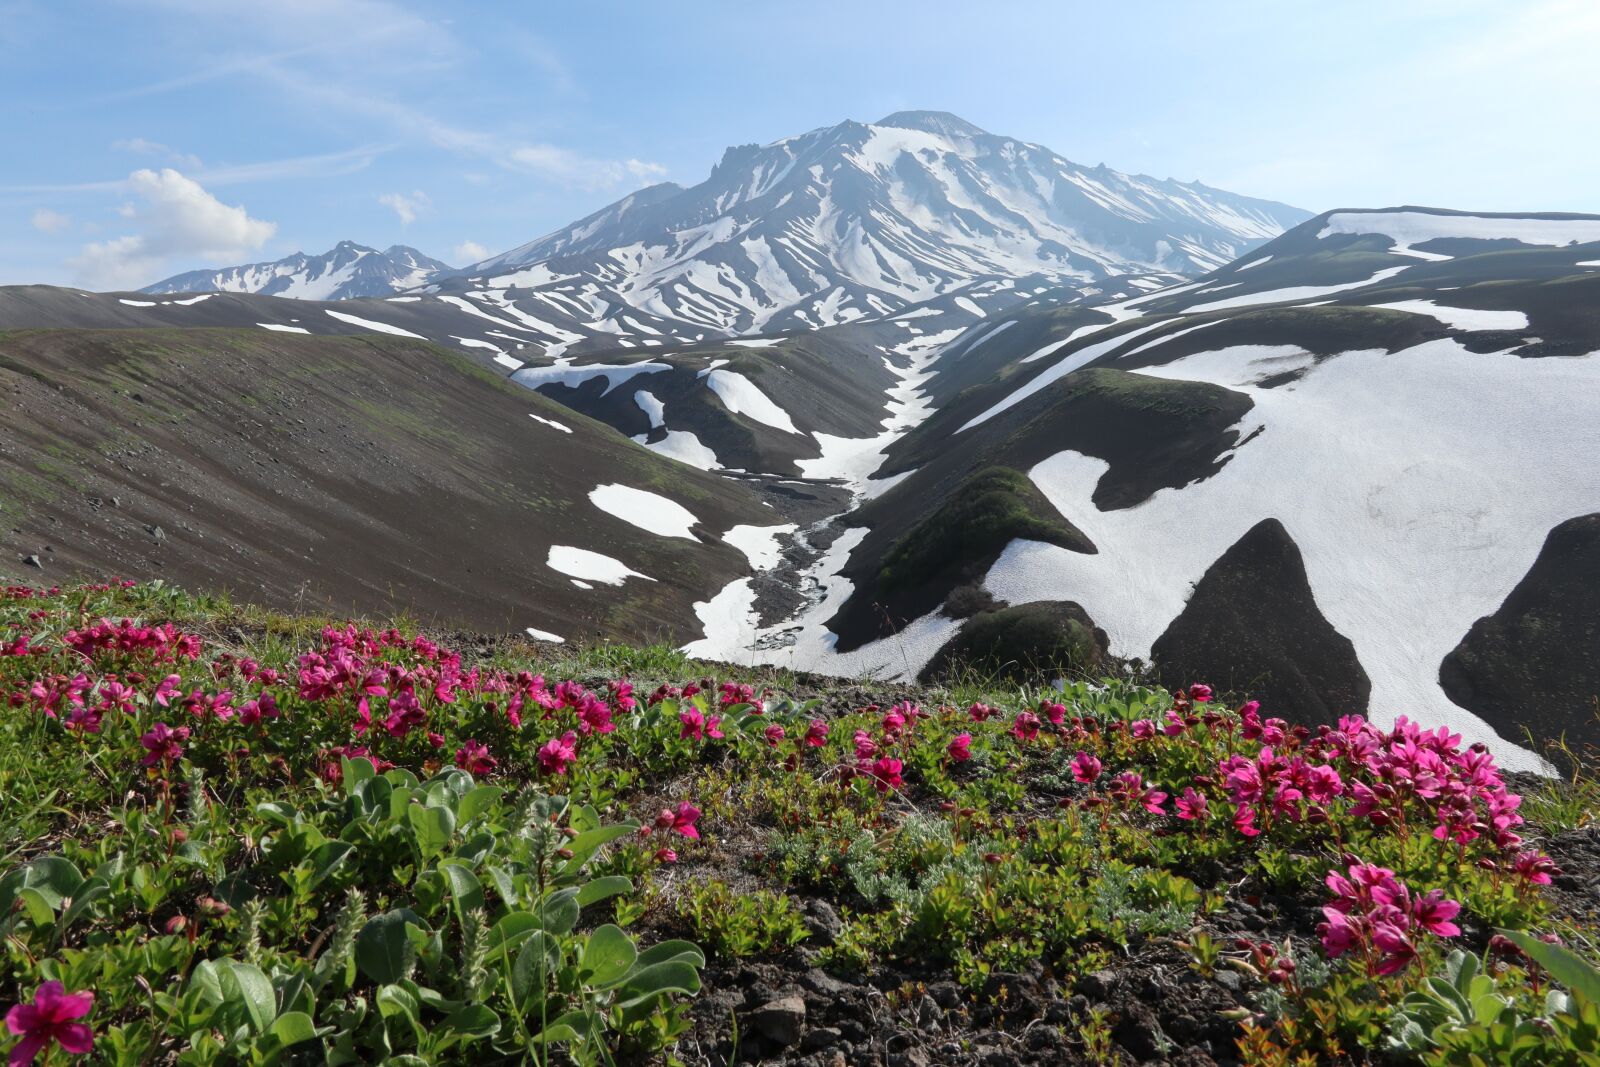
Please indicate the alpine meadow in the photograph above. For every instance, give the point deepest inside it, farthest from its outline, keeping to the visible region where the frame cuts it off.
(887, 596)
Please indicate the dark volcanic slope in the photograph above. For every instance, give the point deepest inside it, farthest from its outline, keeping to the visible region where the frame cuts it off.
(1252, 627)
(364, 473)
(1535, 663)
(1154, 432)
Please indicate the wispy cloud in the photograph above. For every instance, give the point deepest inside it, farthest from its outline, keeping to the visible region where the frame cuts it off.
(389, 45)
(407, 207)
(322, 165)
(46, 221)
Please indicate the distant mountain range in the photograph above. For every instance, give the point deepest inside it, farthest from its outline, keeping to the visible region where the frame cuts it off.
(345, 272)
(847, 223)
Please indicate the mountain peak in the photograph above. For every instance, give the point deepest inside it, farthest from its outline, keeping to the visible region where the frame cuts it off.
(940, 122)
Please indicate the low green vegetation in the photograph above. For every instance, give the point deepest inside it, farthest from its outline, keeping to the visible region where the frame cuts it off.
(232, 837)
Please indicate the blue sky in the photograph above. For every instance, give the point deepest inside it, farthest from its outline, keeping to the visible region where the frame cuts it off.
(146, 138)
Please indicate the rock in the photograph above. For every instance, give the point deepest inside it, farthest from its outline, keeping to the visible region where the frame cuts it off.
(945, 994)
(1229, 980)
(852, 1029)
(928, 1013)
(156, 532)
(911, 1057)
(1097, 986)
(780, 1021)
(823, 1037)
(116, 502)
(822, 921)
(33, 561)
(823, 984)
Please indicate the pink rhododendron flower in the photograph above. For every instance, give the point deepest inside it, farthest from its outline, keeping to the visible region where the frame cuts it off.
(817, 733)
(960, 748)
(1191, 805)
(774, 735)
(1535, 867)
(557, 753)
(866, 747)
(1085, 768)
(886, 774)
(1025, 727)
(1200, 693)
(167, 690)
(666, 855)
(1142, 729)
(683, 820)
(1054, 712)
(163, 744)
(981, 712)
(694, 723)
(50, 1020)
(473, 757)
(86, 720)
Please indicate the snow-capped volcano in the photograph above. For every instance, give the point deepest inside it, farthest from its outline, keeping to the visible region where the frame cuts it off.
(856, 221)
(345, 271)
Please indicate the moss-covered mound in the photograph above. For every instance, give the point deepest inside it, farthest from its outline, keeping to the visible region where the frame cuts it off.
(973, 525)
(1025, 643)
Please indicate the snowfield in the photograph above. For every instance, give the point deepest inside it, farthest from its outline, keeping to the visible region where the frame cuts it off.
(646, 510)
(740, 396)
(1407, 228)
(368, 324)
(583, 565)
(1413, 521)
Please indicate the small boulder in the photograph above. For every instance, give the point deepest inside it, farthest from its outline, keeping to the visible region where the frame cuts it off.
(780, 1021)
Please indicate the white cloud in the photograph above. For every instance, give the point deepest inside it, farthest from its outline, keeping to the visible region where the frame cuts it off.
(470, 252)
(407, 207)
(178, 218)
(565, 167)
(47, 221)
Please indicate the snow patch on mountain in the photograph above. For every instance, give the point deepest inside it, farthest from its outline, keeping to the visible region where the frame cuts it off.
(346, 271)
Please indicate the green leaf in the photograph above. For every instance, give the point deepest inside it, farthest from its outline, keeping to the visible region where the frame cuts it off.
(381, 945)
(539, 959)
(504, 884)
(41, 912)
(1580, 976)
(481, 799)
(559, 912)
(434, 827)
(567, 1027)
(512, 930)
(395, 1002)
(10, 886)
(584, 845)
(293, 1027)
(244, 984)
(90, 891)
(465, 889)
(687, 951)
(673, 976)
(54, 878)
(327, 858)
(608, 956)
(356, 771)
(603, 888)
(472, 1022)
